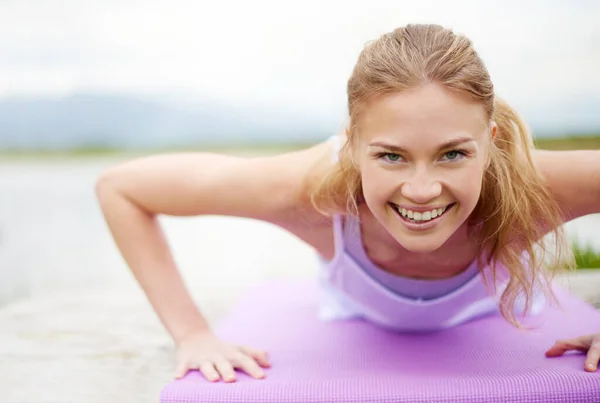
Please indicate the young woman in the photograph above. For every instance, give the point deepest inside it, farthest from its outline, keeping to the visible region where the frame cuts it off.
(430, 205)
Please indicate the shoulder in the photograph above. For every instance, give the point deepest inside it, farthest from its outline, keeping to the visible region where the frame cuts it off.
(283, 185)
(305, 169)
(286, 181)
(573, 178)
(301, 217)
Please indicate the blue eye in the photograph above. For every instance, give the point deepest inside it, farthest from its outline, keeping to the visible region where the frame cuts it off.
(392, 157)
(454, 155)
(389, 157)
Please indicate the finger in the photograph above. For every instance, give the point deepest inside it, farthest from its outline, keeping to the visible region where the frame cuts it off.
(592, 358)
(181, 369)
(225, 368)
(557, 350)
(258, 355)
(248, 365)
(562, 346)
(209, 371)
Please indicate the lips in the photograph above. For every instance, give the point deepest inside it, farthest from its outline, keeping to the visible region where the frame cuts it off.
(421, 217)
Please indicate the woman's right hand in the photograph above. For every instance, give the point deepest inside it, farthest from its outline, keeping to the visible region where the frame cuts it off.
(216, 359)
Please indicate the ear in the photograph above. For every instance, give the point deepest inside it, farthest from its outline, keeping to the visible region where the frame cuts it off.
(347, 128)
(493, 130)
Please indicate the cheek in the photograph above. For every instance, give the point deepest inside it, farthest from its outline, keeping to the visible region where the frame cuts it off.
(467, 187)
(378, 186)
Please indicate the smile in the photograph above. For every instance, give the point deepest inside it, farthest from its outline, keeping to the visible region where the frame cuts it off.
(421, 217)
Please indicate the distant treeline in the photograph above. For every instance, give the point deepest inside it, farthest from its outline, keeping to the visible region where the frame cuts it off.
(569, 143)
(581, 142)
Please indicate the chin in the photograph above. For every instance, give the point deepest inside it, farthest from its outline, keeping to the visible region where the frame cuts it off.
(424, 241)
(421, 244)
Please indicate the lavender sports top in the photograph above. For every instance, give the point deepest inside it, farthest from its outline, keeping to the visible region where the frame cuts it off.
(354, 287)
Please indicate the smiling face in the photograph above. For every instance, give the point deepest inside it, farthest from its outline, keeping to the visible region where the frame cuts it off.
(422, 156)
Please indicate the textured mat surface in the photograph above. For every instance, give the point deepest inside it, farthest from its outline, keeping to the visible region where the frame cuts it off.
(482, 361)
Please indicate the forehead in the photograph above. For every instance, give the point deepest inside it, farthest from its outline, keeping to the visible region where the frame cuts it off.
(427, 112)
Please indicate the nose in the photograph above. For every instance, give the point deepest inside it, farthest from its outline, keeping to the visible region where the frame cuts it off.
(421, 187)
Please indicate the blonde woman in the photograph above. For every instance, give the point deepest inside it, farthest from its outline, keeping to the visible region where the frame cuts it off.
(426, 213)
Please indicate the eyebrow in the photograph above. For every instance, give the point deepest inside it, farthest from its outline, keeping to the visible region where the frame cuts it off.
(449, 144)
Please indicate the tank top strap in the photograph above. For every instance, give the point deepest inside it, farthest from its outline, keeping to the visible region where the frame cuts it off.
(337, 144)
(346, 232)
(337, 219)
(351, 227)
(338, 234)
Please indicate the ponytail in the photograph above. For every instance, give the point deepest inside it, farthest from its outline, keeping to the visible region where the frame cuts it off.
(515, 213)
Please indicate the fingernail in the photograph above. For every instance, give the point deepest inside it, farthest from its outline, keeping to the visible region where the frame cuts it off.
(591, 366)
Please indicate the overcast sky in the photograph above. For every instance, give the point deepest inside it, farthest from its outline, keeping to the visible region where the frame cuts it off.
(298, 53)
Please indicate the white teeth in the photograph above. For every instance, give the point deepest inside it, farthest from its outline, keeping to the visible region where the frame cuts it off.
(421, 216)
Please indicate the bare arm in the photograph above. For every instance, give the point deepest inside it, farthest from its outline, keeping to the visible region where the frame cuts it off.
(573, 178)
(131, 195)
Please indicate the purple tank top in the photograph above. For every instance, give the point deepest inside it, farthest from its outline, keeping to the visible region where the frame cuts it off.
(407, 287)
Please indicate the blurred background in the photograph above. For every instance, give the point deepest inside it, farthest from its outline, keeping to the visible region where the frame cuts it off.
(86, 84)
(140, 75)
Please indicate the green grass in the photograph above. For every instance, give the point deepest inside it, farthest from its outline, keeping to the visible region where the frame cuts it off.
(586, 257)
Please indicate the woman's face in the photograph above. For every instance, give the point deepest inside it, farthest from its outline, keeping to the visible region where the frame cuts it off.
(422, 156)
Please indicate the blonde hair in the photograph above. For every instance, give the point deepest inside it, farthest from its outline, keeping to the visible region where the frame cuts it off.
(515, 211)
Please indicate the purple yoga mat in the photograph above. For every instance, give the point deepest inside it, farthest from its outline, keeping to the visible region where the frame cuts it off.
(486, 360)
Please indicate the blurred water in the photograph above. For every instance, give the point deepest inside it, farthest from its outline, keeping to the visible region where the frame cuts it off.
(53, 238)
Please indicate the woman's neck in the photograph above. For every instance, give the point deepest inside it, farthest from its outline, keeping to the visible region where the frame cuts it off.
(452, 258)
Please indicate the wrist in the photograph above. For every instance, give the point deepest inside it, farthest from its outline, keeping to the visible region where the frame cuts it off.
(190, 334)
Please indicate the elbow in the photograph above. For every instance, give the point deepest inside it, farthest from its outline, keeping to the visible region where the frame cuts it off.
(106, 187)
(112, 194)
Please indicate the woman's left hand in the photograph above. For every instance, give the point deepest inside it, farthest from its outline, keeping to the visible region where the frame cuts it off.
(589, 343)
